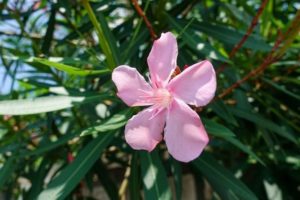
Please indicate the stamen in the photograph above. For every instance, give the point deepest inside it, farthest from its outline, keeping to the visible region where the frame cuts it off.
(160, 97)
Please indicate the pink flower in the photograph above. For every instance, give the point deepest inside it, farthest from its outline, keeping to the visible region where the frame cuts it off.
(184, 132)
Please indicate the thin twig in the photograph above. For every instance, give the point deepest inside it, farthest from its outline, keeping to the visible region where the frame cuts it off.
(247, 34)
(254, 72)
(284, 39)
(142, 14)
(271, 58)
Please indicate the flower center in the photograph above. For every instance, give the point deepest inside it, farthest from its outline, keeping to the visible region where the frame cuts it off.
(162, 97)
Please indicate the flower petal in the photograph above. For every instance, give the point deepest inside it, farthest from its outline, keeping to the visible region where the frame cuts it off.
(144, 130)
(196, 85)
(162, 59)
(131, 85)
(185, 135)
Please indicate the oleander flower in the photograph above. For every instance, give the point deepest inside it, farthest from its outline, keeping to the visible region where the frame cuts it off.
(167, 98)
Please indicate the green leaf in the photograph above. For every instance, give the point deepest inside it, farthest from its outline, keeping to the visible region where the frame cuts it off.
(9, 148)
(195, 42)
(281, 88)
(231, 36)
(38, 177)
(68, 69)
(108, 183)
(44, 104)
(238, 14)
(61, 186)
(50, 30)
(109, 37)
(154, 177)
(50, 145)
(104, 35)
(6, 170)
(218, 130)
(132, 47)
(134, 179)
(3, 131)
(222, 181)
(222, 111)
(244, 148)
(177, 175)
(115, 122)
(263, 122)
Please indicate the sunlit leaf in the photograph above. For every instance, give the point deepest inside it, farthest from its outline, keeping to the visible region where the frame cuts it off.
(116, 121)
(71, 175)
(70, 69)
(154, 177)
(44, 104)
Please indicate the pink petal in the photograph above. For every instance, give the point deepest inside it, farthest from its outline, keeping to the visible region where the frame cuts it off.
(185, 135)
(144, 130)
(196, 85)
(162, 59)
(131, 85)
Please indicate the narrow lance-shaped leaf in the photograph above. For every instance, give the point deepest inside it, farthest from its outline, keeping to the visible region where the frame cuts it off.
(263, 122)
(282, 89)
(218, 130)
(222, 111)
(177, 174)
(69, 69)
(154, 177)
(231, 36)
(222, 181)
(61, 186)
(56, 62)
(114, 122)
(50, 145)
(195, 42)
(44, 104)
(38, 177)
(6, 170)
(107, 47)
(134, 179)
(50, 30)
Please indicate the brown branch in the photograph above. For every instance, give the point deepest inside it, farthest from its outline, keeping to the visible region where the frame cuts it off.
(247, 34)
(271, 58)
(254, 72)
(142, 14)
(285, 39)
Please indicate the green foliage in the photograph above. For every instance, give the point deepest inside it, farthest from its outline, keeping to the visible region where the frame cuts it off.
(154, 177)
(71, 175)
(62, 125)
(225, 184)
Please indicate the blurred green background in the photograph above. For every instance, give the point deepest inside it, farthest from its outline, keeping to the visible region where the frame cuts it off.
(62, 126)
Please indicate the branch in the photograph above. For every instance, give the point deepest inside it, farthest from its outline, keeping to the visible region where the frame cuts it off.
(142, 14)
(247, 34)
(254, 72)
(285, 39)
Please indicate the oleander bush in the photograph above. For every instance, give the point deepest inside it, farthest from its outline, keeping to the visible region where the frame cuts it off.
(62, 124)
